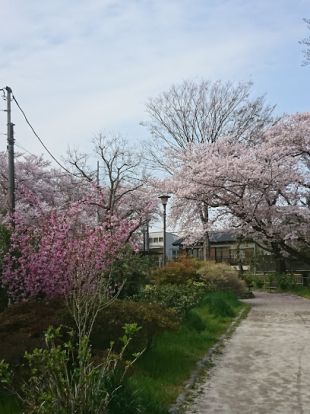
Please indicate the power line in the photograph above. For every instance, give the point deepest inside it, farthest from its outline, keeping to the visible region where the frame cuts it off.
(40, 140)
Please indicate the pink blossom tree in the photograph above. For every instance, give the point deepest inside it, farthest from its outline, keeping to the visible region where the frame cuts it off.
(264, 189)
(37, 182)
(204, 112)
(62, 248)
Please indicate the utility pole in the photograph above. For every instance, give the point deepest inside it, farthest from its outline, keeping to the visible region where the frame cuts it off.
(10, 140)
(98, 183)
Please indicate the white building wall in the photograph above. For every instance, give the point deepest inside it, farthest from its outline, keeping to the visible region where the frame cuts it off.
(156, 242)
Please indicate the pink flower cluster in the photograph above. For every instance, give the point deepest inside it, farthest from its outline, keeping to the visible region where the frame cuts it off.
(46, 258)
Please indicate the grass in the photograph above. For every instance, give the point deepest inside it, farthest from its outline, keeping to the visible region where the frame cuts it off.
(161, 372)
(300, 291)
(8, 405)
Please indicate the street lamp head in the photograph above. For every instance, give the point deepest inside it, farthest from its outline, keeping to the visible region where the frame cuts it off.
(164, 199)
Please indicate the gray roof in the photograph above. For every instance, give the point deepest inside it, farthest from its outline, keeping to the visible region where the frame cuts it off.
(214, 237)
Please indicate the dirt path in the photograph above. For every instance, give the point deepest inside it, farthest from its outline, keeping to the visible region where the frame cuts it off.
(265, 366)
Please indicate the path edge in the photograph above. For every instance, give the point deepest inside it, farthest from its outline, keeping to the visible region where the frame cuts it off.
(206, 361)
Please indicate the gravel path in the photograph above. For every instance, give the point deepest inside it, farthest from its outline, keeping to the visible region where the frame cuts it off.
(265, 366)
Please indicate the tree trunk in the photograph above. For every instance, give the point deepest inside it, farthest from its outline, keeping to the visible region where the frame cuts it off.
(204, 217)
(280, 264)
(206, 247)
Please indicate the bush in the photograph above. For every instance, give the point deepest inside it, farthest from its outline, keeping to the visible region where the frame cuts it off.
(220, 276)
(181, 298)
(180, 272)
(153, 318)
(285, 281)
(64, 378)
(131, 271)
(22, 326)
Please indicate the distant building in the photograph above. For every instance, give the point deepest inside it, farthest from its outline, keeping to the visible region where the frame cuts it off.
(228, 247)
(156, 245)
(225, 246)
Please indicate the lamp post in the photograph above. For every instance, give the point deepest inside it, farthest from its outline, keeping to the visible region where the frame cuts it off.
(164, 201)
(145, 230)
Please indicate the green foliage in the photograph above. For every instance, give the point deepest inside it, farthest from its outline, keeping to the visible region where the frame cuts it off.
(9, 404)
(151, 317)
(219, 305)
(181, 298)
(286, 281)
(179, 272)
(131, 272)
(124, 399)
(221, 276)
(282, 281)
(64, 378)
(194, 321)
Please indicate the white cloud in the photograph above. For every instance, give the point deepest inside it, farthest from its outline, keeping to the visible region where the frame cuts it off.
(80, 66)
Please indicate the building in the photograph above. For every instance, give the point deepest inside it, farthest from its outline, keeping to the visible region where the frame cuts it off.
(225, 246)
(156, 245)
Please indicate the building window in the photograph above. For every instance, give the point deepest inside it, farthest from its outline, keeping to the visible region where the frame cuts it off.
(161, 239)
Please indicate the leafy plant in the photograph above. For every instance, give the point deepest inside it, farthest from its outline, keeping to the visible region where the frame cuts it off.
(153, 318)
(65, 378)
(220, 276)
(179, 272)
(181, 298)
(130, 271)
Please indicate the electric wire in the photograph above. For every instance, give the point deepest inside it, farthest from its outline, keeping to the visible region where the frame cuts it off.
(40, 140)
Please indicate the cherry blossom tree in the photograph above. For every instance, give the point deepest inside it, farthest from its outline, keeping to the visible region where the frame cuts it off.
(264, 189)
(37, 182)
(203, 113)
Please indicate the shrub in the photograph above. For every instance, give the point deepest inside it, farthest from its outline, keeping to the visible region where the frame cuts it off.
(181, 298)
(285, 281)
(131, 272)
(65, 378)
(153, 318)
(220, 276)
(22, 326)
(179, 272)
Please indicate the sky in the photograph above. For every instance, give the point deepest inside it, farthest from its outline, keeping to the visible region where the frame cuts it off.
(82, 67)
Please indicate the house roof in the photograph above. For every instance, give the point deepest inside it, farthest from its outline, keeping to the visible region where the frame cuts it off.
(214, 237)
